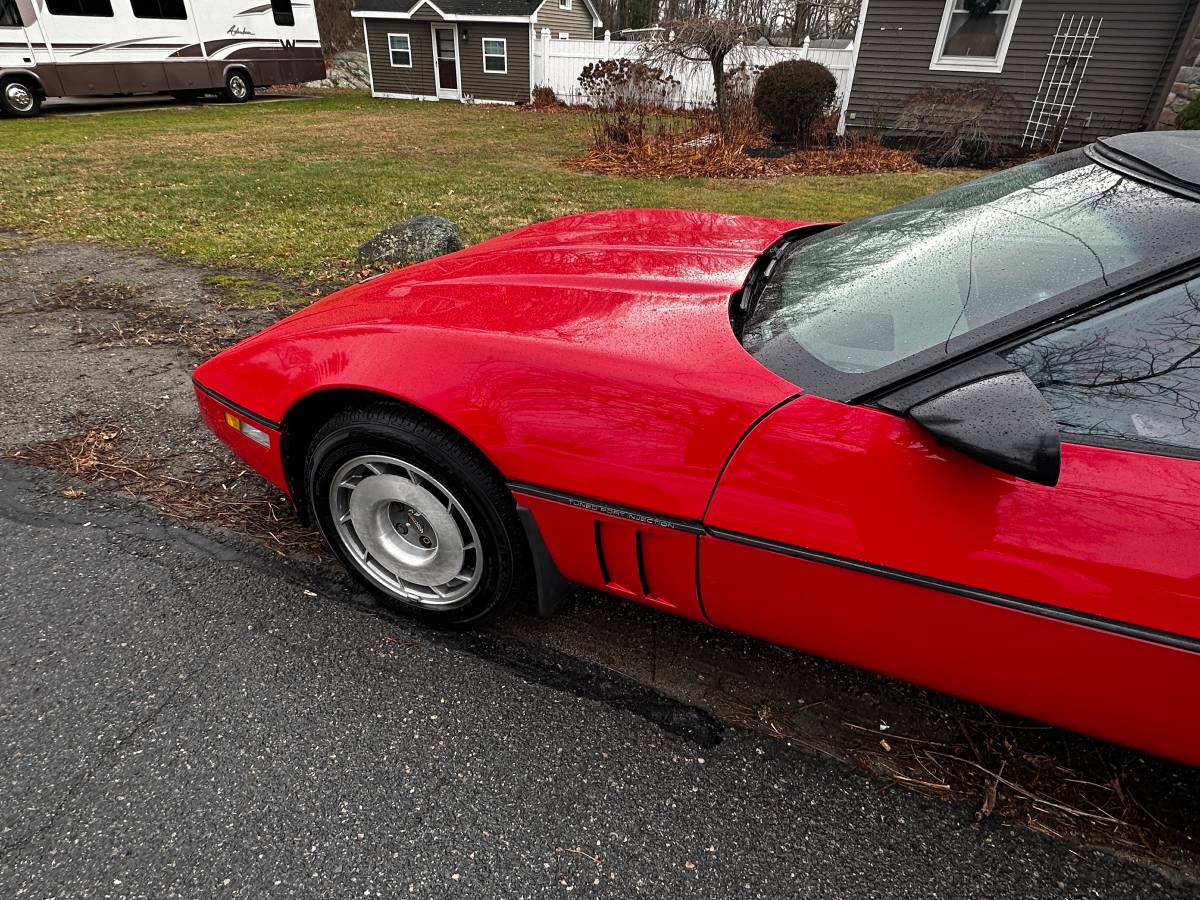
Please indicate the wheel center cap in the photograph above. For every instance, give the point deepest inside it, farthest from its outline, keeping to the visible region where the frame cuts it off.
(429, 551)
(413, 527)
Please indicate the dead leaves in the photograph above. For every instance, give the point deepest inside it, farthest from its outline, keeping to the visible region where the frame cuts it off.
(97, 455)
(670, 157)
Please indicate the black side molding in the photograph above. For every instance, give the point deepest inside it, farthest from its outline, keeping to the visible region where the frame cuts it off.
(1007, 601)
(552, 588)
(608, 509)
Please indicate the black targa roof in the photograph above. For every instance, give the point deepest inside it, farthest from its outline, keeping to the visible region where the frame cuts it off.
(1169, 159)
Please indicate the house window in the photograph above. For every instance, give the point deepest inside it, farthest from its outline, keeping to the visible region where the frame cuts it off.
(400, 50)
(564, 4)
(282, 11)
(974, 35)
(79, 8)
(159, 9)
(495, 55)
(9, 14)
(564, 36)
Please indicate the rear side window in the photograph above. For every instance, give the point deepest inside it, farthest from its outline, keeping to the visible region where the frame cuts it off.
(159, 9)
(1127, 376)
(282, 10)
(9, 14)
(79, 8)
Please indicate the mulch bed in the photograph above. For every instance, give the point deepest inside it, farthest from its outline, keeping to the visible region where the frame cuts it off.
(692, 159)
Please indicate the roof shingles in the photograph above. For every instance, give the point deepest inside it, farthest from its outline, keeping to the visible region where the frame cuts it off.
(522, 8)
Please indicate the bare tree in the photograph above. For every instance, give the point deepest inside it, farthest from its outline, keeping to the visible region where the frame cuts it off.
(618, 15)
(821, 19)
(780, 21)
(701, 40)
(338, 30)
(789, 22)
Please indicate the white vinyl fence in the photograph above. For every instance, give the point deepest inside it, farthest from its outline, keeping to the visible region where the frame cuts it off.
(558, 64)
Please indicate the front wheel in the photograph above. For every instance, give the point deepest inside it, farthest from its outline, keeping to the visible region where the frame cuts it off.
(19, 98)
(417, 515)
(238, 87)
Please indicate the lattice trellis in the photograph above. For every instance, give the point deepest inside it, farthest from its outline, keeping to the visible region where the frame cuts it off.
(1066, 66)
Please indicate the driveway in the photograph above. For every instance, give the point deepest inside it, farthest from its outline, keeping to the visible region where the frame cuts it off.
(198, 702)
(68, 106)
(190, 716)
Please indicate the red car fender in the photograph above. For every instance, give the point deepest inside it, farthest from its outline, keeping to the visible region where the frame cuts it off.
(592, 355)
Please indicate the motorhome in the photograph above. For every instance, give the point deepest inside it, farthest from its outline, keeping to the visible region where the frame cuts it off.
(90, 48)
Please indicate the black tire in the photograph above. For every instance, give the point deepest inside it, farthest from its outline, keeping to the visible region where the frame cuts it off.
(19, 98)
(415, 438)
(239, 86)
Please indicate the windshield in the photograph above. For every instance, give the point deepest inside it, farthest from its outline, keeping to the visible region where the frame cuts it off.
(870, 293)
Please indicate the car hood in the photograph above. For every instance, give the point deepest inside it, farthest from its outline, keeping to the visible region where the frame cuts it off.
(568, 278)
(612, 325)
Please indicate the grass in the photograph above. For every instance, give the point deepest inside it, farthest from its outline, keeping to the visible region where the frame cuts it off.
(246, 290)
(293, 188)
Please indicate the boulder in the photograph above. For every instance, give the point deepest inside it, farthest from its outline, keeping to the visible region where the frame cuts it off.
(350, 69)
(412, 241)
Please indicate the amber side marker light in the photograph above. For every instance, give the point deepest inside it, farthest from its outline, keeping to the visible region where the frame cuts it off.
(255, 434)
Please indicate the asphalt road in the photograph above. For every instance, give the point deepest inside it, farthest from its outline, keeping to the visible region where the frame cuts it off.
(187, 714)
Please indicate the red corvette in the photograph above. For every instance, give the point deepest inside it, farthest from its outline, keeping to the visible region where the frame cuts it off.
(957, 442)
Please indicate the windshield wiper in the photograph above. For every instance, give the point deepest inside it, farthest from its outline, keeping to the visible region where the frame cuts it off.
(744, 301)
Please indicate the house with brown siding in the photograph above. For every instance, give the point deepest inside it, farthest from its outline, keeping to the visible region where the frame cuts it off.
(1068, 71)
(469, 50)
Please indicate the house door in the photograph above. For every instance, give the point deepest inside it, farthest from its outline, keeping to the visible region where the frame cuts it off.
(445, 51)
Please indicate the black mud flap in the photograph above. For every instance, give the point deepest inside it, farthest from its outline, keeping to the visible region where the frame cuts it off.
(552, 588)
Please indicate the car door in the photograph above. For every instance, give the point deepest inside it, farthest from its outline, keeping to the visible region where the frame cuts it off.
(849, 531)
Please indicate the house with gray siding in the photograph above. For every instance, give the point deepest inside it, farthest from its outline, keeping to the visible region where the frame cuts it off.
(468, 50)
(1069, 71)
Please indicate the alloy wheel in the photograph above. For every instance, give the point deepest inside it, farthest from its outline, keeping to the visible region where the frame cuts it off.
(19, 96)
(406, 531)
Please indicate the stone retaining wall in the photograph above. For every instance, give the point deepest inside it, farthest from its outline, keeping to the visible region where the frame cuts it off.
(1186, 87)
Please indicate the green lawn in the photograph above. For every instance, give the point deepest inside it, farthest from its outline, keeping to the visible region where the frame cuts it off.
(294, 187)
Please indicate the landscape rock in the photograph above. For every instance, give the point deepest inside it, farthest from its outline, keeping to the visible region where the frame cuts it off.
(350, 69)
(412, 241)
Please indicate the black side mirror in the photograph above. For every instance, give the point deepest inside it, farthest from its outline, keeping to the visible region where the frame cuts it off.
(1001, 420)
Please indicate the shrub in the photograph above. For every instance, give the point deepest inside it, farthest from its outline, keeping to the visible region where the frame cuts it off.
(956, 125)
(544, 97)
(627, 98)
(1189, 117)
(792, 96)
(741, 126)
